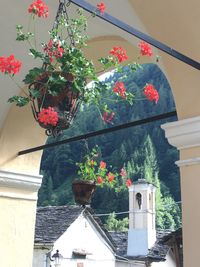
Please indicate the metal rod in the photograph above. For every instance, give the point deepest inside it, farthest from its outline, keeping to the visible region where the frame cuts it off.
(100, 132)
(129, 29)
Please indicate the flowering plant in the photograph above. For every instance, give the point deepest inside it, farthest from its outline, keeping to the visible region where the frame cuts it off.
(96, 170)
(65, 71)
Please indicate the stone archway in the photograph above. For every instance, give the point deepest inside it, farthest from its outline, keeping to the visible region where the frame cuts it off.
(164, 21)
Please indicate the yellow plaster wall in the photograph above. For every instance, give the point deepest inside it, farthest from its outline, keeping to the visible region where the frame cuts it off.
(190, 185)
(17, 218)
(19, 132)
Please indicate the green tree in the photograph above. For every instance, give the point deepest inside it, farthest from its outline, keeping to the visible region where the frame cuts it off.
(142, 150)
(113, 224)
(45, 192)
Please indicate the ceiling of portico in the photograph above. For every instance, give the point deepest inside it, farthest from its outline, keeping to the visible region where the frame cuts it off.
(172, 22)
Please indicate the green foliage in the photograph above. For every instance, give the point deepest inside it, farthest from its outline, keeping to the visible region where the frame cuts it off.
(22, 36)
(20, 101)
(45, 192)
(64, 54)
(113, 224)
(32, 75)
(142, 150)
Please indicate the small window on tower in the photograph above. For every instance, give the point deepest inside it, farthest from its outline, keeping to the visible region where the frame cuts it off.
(139, 200)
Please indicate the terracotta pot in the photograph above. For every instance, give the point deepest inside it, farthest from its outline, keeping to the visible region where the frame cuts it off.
(83, 191)
(65, 103)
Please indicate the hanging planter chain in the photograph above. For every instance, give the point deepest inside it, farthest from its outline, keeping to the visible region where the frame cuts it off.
(62, 11)
(66, 103)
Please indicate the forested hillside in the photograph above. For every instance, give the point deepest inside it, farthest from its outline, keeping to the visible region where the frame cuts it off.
(142, 150)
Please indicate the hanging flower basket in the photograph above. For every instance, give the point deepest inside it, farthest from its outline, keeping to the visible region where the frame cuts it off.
(63, 103)
(55, 88)
(94, 172)
(83, 191)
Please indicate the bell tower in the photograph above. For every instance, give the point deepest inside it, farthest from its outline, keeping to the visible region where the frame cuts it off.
(142, 231)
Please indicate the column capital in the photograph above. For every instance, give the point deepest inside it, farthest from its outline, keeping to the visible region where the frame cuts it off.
(184, 133)
(19, 185)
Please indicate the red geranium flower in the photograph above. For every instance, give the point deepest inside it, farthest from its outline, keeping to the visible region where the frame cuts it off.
(101, 7)
(10, 65)
(151, 93)
(99, 180)
(48, 116)
(145, 49)
(128, 182)
(107, 118)
(39, 8)
(120, 89)
(54, 50)
(102, 164)
(120, 53)
(123, 172)
(110, 177)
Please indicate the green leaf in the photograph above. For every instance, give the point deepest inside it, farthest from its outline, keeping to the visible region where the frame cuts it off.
(19, 27)
(32, 75)
(34, 93)
(22, 36)
(36, 54)
(20, 101)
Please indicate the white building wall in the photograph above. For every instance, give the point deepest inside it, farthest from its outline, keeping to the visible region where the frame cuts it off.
(39, 258)
(170, 262)
(130, 264)
(82, 235)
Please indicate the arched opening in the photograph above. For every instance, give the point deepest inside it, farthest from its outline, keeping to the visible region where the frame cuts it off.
(138, 198)
(138, 148)
(181, 78)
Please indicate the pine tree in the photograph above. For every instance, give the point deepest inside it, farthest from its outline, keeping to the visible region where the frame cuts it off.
(45, 192)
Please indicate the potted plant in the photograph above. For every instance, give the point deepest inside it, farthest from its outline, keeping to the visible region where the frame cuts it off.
(56, 89)
(95, 172)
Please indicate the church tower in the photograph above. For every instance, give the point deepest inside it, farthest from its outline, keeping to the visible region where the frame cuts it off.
(142, 231)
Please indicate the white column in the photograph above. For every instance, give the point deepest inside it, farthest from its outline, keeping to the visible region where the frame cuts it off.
(185, 136)
(18, 197)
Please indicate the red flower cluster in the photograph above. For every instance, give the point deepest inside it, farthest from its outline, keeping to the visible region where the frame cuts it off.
(145, 49)
(101, 7)
(119, 53)
(10, 65)
(123, 174)
(110, 177)
(128, 182)
(54, 50)
(102, 164)
(39, 8)
(99, 180)
(151, 93)
(48, 116)
(107, 118)
(120, 89)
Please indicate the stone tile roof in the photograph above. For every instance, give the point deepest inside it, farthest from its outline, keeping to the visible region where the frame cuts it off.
(52, 222)
(121, 241)
(157, 253)
(159, 250)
